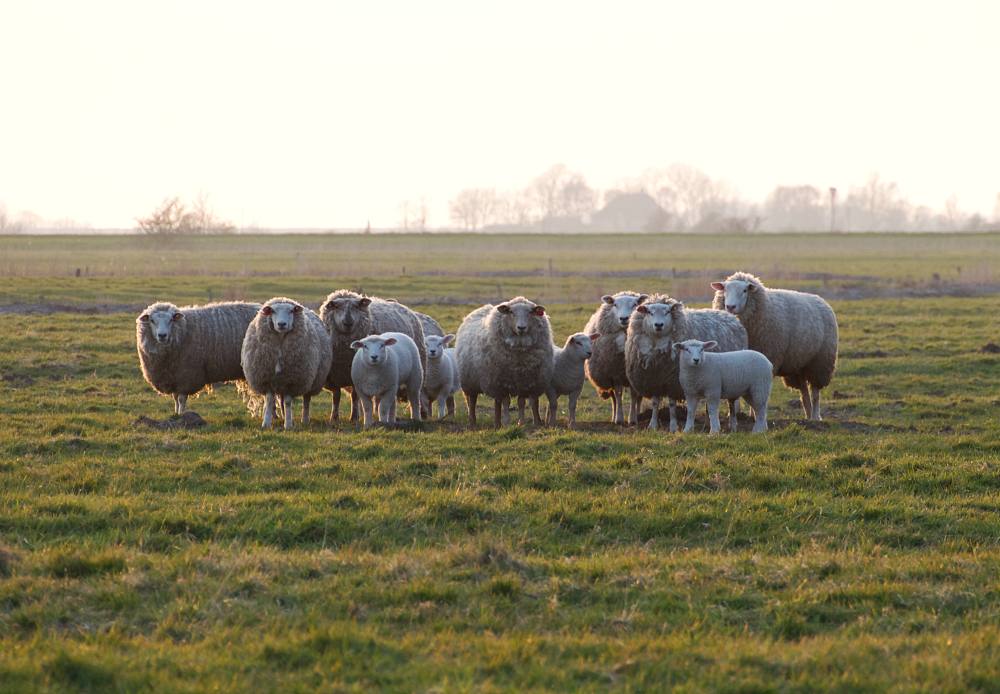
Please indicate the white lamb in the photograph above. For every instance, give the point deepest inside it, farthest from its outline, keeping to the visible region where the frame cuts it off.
(441, 379)
(568, 374)
(384, 366)
(729, 375)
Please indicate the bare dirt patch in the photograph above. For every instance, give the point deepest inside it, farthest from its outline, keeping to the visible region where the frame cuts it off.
(990, 348)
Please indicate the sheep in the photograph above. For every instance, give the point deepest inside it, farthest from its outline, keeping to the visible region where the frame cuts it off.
(348, 317)
(441, 378)
(429, 325)
(606, 366)
(504, 350)
(730, 375)
(183, 350)
(568, 373)
(654, 326)
(796, 331)
(383, 366)
(286, 353)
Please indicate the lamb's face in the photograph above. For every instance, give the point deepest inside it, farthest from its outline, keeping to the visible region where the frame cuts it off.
(736, 293)
(692, 352)
(162, 324)
(521, 316)
(282, 315)
(582, 344)
(436, 345)
(657, 318)
(623, 305)
(345, 312)
(374, 347)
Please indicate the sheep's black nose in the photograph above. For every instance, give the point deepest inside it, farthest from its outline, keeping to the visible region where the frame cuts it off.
(522, 328)
(623, 321)
(658, 326)
(374, 357)
(282, 325)
(161, 336)
(730, 308)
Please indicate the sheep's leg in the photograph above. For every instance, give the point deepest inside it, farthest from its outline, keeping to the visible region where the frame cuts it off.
(384, 410)
(806, 403)
(366, 405)
(268, 411)
(536, 415)
(552, 414)
(654, 420)
(505, 411)
(635, 405)
(335, 410)
(286, 409)
(520, 409)
(470, 402)
(498, 412)
(616, 404)
(180, 403)
(815, 403)
(451, 405)
(713, 414)
(305, 409)
(692, 404)
(734, 408)
(572, 409)
(441, 405)
(416, 414)
(760, 415)
(355, 406)
(673, 415)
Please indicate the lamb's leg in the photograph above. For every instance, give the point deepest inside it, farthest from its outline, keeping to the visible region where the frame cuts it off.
(572, 409)
(441, 403)
(806, 403)
(551, 415)
(654, 420)
(815, 403)
(470, 402)
(734, 408)
(451, 405)
(617, 415)
(367, 405)
(536, 415)
(498, 413)
(384, 409)
(305, 409)
(673, 415)
(760, 415)
(416, 414)
(286, 406)
(268, 411)
(713, 414)
(692, 405)
(335, 410)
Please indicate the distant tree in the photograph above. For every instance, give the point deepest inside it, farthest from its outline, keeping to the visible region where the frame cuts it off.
(172, 217)
(876, 206)
(7, 223)
(473, 207)
(795, 208)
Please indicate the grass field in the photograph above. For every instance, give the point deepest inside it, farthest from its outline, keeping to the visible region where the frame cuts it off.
(863, 554)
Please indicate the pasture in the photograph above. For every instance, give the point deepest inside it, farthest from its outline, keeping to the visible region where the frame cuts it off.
(859, 553)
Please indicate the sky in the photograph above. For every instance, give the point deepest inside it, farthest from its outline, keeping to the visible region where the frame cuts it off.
(329, 114)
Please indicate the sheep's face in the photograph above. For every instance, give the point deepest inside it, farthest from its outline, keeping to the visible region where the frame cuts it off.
(436, 345)
(658, 319)
(736, 293)
(582, 344)
(374, 348)
(345, 312)
(282, 315)
(623, 305)
(162, 324)
(520, 316)
(692, 352)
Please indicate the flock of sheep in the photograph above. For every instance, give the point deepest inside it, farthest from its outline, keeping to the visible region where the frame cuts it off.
(382, 351)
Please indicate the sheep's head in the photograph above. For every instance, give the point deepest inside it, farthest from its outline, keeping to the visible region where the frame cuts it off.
(344, 312)
(520, 316)
(582, 344)
(374, 348)
(161, 321)
(281, 314)
(436, 345)
(658, 318)
(692, 352)
(623, 304)
(736, 293)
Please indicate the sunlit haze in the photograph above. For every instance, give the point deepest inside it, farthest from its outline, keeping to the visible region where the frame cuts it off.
(330, 114)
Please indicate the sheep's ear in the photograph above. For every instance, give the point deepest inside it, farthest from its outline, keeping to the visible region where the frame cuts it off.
(363, 302)
(266, 310)
(711, 344)
(608, 299)
(643, 297)
(641, 309)
(144, 318)
(503, 308)
(593, 336)
(297, 309)
(357, 344)
(390, 341)
(538, 310)
(447, 339)
(719, 286)
(678, 347)
(751, 286)
(178, 316)
(674, 308)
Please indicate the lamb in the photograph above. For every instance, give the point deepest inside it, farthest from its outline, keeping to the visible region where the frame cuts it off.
(653, 328)
(183, 350)
(568, 373)
(348, 317)
(744, 373)
(286, 353)
(606, 366)
(384, 366)
(796, 331)
(503, 351)
(441, 378)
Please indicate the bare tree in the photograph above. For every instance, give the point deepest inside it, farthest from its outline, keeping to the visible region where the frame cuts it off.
(7, 223)
(795, 208)
(172, 217)
(472, 207)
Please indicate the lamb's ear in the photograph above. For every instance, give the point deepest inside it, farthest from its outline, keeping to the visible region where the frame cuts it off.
(678, 347)
(641, 309)
(297, 309)
(144, 318)
(711, 344)
(357, 344)
(447, 339)
(178, 316)
(503, 308)
(363, 302)
(266, 310)
(538, 311)
(642, 297)
(608, 299)
(718, 286)
(389, 341)
(593, 336)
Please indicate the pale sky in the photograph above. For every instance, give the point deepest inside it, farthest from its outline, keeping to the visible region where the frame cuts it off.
(327, 114)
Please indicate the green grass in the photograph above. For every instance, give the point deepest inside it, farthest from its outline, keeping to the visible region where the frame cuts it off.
(861, 555)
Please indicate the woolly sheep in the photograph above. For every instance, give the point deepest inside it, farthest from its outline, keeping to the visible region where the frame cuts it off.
(503, 351)
(429, 325)
(568, 373)
(653, 328)
(183, 350)
(730, 375)
(286, 353)
(606, 366)
(383, 366)
(350, 316)
(796, 331)
(441, 378)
